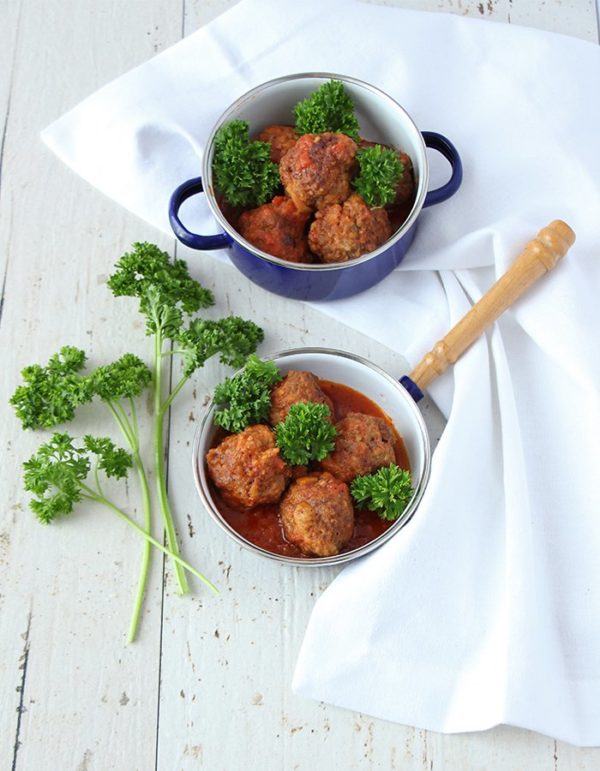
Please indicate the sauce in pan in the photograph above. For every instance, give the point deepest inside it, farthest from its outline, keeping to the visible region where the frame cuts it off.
(262, 526)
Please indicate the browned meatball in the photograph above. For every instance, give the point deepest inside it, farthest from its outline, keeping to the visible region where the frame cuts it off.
(345, 231)
(277, 228)
(296, 386)
(363, 444)
(405, 187)
(317, 514)
(316, 171)
(247, 468)
(281, 139)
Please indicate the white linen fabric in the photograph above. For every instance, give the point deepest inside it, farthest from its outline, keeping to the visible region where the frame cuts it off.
(484, 609)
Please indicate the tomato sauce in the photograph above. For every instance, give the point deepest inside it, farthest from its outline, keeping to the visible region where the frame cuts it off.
(262, 525)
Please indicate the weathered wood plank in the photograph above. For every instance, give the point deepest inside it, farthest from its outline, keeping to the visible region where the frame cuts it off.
(579, 19)
(86, 700)
(9, 41)
(13, 662)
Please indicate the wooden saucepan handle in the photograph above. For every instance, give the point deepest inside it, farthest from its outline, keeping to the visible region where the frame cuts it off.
(539, 256)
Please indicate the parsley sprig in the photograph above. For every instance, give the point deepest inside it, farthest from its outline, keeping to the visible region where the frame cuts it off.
(245, 398)
(242, 169)
(386, 492)
(57, 475)
(329, 108)
(233, 338)
(168, 298)
(51, 394)
(380, 171)
(306, 433)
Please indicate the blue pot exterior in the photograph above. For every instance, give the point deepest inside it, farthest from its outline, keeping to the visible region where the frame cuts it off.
(291, 280)
(323, 284)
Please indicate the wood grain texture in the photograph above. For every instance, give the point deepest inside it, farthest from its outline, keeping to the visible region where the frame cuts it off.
(85, 699)
(207, 685)
(538, 257)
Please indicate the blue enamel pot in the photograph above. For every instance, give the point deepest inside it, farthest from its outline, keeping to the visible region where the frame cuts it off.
(381, 119)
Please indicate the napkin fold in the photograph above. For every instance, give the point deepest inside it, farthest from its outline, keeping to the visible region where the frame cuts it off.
(483, 610)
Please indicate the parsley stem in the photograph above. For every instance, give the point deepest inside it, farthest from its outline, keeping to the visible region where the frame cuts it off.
(159, 462)
(91, 495)
(123, 425)
(146, 553)
(134, 419)
(132, 438)
(133, 441)
(167, 403)
(97, 480)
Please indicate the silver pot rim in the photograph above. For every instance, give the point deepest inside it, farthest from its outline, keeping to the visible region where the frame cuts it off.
(316, 267)
(206, 425)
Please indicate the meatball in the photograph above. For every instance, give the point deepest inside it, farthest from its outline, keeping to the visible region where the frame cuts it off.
(406, 184)
(317, 514)
(316, 172)
(281, 139)
(247, 468)
(277, 228)
(344, 231)
(363, 444)
(296, 387)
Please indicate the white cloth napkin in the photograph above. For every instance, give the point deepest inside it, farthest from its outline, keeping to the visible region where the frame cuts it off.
(484, 609)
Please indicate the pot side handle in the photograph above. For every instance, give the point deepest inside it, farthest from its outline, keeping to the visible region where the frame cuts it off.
(446, 148)
(193, 240)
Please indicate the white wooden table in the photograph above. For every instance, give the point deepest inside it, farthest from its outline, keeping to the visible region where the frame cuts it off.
(208, 683)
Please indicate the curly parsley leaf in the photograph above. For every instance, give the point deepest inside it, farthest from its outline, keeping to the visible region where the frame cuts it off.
(54, 475)
(247, 395)
(233, 338)
(113, 460)
(386, 492)
(165, 288)
(329, 108)
(306, 433)
(380, 171)
(50, 395)
(125, 378)
(242, 169)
